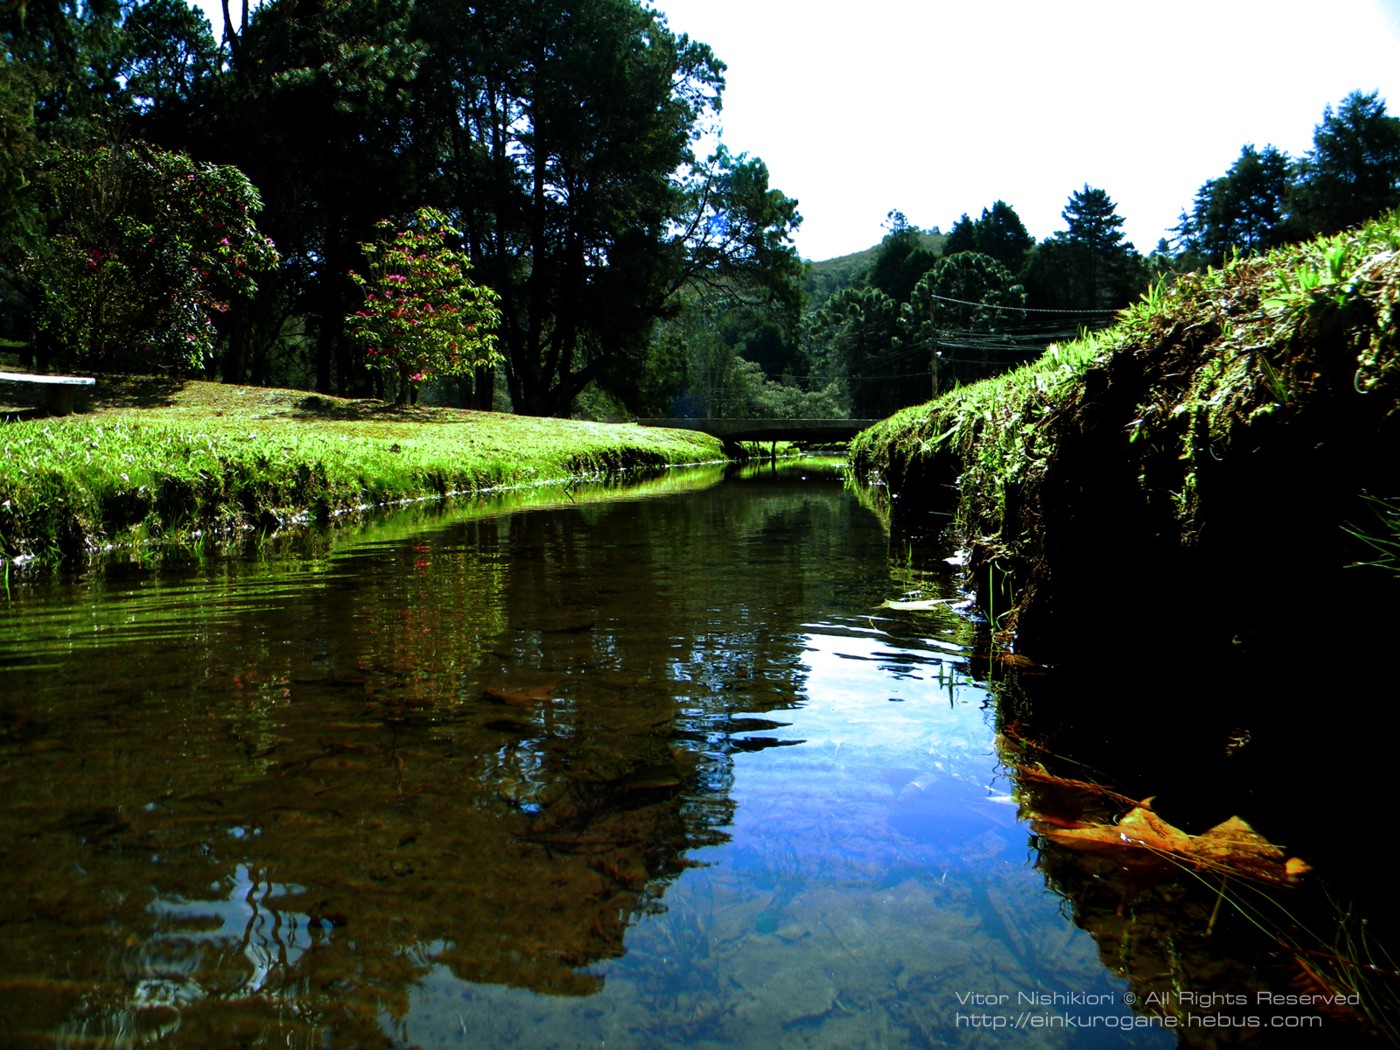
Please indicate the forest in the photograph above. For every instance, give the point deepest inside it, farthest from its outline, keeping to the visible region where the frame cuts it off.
(526, 207)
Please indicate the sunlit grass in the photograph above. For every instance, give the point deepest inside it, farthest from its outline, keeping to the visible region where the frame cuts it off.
(211, 459)
(1210, 355)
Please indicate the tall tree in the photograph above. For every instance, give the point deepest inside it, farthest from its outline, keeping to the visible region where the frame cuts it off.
(569, 133)
(315, 108)
(849, 340)
(1245, 209)
(901, 260)
(19, 214)
(999, 233)
(170, 62)
(967, 291)
(962, 237)
(1352, 172)
(1088, 265)
(1092, 220)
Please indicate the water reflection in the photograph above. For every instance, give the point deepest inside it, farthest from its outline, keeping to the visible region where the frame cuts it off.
(643, 771)
(1221, 940)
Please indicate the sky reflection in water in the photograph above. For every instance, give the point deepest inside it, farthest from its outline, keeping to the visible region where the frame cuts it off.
(639, 772)
(875, 882)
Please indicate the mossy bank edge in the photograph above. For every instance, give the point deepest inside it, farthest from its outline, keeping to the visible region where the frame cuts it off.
(1224, 457)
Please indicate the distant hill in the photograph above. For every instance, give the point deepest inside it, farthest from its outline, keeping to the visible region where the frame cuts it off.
(831, 275)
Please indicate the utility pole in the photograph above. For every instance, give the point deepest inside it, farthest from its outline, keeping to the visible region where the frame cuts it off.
(933, 343)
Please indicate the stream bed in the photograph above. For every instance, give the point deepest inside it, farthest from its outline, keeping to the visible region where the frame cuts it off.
(645, 767)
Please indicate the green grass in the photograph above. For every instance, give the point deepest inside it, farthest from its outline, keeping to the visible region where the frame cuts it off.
(1276, 376)
(161, 462)
(988, 434)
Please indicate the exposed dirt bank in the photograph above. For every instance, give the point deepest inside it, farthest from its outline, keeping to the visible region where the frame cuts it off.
(1225, 457)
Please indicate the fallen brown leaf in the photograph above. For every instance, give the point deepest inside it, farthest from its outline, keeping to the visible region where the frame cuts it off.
(1142, 840)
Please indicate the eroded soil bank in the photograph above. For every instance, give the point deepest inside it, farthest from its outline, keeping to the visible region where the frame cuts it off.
(1226, 455)
(1195, 516)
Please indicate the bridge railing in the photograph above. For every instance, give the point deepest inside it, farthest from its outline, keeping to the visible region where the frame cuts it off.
(768, 429)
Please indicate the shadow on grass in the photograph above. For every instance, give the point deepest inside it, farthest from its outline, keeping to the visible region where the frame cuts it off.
(314, 406)
(132, 392)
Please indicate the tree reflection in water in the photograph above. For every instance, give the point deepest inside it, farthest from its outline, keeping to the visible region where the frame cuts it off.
(636, 771)
(261, 801)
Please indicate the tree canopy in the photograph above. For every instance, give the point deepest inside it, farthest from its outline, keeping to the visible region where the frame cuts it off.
(849, 339)
(999, 233)
(973, 290)
(901, 259)
(562, 137)
(146, 247)
(1089, 265)
(574, 143)
(1265, 200)
(1246, 209)
(567, 137)
(1352, 173)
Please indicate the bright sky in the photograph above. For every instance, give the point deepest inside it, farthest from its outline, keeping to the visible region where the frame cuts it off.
(939, 107)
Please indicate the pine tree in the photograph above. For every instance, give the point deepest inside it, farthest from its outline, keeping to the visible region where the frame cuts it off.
(1088, 265)
(1245, 209)
(1352, 172)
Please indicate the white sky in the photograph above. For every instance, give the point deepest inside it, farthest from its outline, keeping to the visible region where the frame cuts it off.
(939, 107)
(942, 107)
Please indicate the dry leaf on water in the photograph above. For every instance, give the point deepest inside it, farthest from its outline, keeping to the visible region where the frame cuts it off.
(915, 604)
(1143, 840)
(527, 695)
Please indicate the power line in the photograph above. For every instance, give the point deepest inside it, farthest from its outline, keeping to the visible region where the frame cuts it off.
(1021, 309)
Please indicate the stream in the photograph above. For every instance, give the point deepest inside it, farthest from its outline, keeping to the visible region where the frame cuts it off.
(644, 766)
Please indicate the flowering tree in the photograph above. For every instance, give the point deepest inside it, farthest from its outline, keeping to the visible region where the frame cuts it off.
(147, 247)
(423, 316)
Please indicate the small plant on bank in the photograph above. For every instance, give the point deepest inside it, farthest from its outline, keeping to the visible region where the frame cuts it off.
(423, 316)
(1382, 536)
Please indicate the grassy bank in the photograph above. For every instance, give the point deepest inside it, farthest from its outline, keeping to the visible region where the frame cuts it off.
(153, 460)
(1213, 455)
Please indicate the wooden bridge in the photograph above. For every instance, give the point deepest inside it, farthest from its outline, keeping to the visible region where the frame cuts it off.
(734, 431)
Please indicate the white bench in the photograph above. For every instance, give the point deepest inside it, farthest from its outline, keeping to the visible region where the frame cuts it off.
(59, 391)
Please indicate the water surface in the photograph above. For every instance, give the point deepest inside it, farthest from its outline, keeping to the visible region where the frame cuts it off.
(653, 769)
